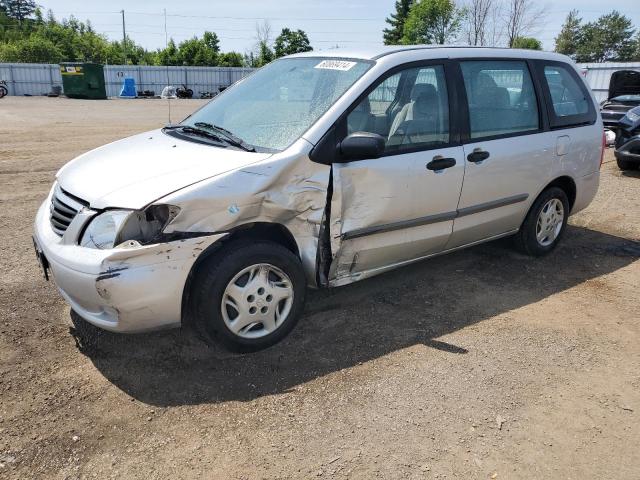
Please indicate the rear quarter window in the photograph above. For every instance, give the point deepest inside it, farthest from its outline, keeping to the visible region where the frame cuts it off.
(568, 100)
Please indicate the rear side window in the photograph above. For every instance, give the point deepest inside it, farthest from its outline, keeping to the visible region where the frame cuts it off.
(569, 102)
(501, 98)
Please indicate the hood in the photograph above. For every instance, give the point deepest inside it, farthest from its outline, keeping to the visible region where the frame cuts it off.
(135, 171)
(624, 82)
(631, 121)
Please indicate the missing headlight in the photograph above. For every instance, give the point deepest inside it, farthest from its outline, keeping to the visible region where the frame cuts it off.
(113, 228)
(146, 226)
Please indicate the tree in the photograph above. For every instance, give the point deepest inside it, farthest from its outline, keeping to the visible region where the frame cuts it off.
(264, 54)
(609, 38)
(290, 42)
(522, 18)
(528, 43)
(199, 51)
(393, 35)
(432, 21)
(169, 55)
(18, 9)
(230, 59)
(478, 18)
(568, 39)
(31, 50)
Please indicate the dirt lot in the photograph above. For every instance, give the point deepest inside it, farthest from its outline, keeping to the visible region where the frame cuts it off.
(480, 364)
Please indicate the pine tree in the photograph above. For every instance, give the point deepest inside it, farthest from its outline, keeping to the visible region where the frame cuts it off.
(18, 9)
(392, 35)
(568, 40)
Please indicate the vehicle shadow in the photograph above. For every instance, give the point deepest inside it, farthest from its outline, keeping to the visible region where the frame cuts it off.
(347, 326)
(631, 173)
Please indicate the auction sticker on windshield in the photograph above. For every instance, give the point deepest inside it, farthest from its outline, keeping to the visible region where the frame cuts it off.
(335, 65)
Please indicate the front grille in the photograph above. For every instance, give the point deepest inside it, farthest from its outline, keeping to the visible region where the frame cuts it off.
(64, 208)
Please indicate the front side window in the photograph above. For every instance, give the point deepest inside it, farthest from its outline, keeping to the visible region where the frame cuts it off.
(567, 97)
(501, 98)
(273, 107)
(409, 109)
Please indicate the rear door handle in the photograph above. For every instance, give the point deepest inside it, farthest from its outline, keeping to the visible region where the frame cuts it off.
(440, 163)
(478, 155)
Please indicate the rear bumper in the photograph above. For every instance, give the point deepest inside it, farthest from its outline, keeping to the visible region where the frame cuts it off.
(121, 289)
(586, 190)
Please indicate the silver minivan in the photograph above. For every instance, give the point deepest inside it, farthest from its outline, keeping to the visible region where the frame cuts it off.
(320, 169)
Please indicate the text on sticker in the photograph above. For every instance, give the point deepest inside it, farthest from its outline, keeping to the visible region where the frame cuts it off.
(335, 65)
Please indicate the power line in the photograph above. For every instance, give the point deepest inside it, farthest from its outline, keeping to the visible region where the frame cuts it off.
(222, 17)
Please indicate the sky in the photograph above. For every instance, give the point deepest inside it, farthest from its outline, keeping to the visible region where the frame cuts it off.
(328, 23)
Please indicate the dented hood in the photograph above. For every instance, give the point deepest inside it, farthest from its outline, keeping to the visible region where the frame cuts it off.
(135, 171)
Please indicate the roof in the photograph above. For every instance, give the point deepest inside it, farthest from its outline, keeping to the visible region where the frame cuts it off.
(434, 51)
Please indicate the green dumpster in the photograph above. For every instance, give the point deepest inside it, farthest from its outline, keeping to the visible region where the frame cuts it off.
(83, 80)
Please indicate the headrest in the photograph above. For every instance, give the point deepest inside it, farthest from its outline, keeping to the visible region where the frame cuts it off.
(426, 103)
(485, 81)
(364, 106)
(420, 88)
(489, 94)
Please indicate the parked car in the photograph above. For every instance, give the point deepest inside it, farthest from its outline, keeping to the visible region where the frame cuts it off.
(627, 150)
(623, 95)
(320, 170)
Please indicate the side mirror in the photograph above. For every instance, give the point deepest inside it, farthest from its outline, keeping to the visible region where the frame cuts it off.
(360, 146)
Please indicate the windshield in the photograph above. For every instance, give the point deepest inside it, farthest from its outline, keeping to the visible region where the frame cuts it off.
(273, 107)
(626, 98)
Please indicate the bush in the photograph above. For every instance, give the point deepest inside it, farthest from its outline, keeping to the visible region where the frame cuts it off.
(31, 50)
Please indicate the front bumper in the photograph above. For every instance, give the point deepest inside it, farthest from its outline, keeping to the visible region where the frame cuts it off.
(611, 120)
(121, 289)
(629, 151)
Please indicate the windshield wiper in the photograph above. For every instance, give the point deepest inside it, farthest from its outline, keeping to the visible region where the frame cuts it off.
(196, 131)
(230, 137)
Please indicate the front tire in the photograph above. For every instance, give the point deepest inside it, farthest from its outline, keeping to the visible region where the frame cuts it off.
(248, 296)
(545, 223)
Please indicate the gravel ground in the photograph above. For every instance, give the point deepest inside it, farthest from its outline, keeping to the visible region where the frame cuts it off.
(480, 364)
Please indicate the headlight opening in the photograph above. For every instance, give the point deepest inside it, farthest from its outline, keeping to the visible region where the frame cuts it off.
(112, 228)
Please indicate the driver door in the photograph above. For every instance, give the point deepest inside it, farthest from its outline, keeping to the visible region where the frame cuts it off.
(399, 207)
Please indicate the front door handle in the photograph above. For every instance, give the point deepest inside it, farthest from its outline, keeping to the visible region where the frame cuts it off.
(440, 163)
(478, 155)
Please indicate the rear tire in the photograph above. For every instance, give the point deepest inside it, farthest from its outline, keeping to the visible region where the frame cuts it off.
(3, 91)
(248, 296)
(545, 223)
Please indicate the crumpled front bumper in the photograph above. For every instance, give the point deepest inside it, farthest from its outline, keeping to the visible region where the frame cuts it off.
(121, 289)
(629, 151)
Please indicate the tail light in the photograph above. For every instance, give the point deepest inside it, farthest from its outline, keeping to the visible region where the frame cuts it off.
(604, 146)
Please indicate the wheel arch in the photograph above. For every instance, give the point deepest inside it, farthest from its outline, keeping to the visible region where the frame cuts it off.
(567, 184)
(274, 232)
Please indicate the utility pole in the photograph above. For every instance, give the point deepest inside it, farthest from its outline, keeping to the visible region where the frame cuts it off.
(124, 39)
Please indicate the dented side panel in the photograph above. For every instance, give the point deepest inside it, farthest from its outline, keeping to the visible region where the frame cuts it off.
(391, 210)
(288, 189)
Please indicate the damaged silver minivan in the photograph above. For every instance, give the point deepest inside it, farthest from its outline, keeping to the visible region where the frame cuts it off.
(319, 170)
